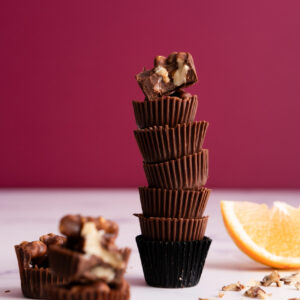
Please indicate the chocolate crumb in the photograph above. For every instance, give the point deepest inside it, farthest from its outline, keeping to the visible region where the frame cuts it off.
(7, 291)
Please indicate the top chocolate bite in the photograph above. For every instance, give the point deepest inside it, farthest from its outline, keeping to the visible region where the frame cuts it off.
(168, 75)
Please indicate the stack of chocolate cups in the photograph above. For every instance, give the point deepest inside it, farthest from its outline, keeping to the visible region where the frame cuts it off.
(172, 246)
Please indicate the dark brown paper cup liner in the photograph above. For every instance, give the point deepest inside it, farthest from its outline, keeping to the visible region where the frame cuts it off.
(187, 172)
(34, 280)
(172, 264)
(63, 293)
(163, 143)
(173, 203)
(165, 111)
(71, 264)
(172, 229)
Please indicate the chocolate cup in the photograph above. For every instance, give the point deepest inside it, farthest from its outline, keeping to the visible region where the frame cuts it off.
(72, 265)
(187, 172)
(167, 110)
(173, 203)
(88, 293)
(172, 264)
(163, 143)
(172, 229)
(34, 280)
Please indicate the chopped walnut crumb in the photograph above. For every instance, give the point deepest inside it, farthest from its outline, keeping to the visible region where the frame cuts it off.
(291, 279)
(233, 287)
(221, 294)
(274, 277)
(256, 292)
(297, 285)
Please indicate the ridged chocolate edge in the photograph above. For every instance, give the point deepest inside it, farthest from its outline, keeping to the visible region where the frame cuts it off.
(172, 229)
(35, 281)
(66, 262)
(172, 264)
(173, 203)
(61, 293)
(187, 172)
(165, 111)
(162, 143)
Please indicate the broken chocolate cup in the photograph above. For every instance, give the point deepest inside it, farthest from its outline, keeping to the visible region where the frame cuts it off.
(172, 264)
(162, 143)
(187, 172)
(95, 291)
(173, 203)
(167, 110)
(168, 75)
(172, 229)
(34, 279)
(76, 266)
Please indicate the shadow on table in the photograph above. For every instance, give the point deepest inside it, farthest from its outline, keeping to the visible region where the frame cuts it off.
(136, 281)
(11, 293)
(235, 265)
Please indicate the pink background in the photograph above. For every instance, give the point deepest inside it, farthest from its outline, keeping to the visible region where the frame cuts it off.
(67, 81)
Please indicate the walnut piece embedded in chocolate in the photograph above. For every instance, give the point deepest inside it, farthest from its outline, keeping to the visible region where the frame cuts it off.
(168, 75)
(71, 225)
(34, 249)
(112, 261)
(53, 239)
(36, 252)
(90, 252)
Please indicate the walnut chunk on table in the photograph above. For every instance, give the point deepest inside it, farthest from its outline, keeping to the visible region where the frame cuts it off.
(233, 287)
(273, 277)
(256, 292)
(291, 278)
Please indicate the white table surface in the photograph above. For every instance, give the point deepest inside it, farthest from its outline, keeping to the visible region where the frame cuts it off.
(26, 214)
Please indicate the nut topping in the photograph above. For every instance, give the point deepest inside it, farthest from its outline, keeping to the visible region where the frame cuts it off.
(163, 72)
(53, 239)
(179, 77)
(34, 249)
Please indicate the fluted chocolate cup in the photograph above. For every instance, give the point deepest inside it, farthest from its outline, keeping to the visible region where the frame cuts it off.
(187, 172)
(172, 264)
(167, 110)
(34, 280)
(161, 143)
(89, 291)
(166, 203)
(172, 229)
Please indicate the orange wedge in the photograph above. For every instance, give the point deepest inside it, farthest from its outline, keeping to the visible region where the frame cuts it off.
(269, 236)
